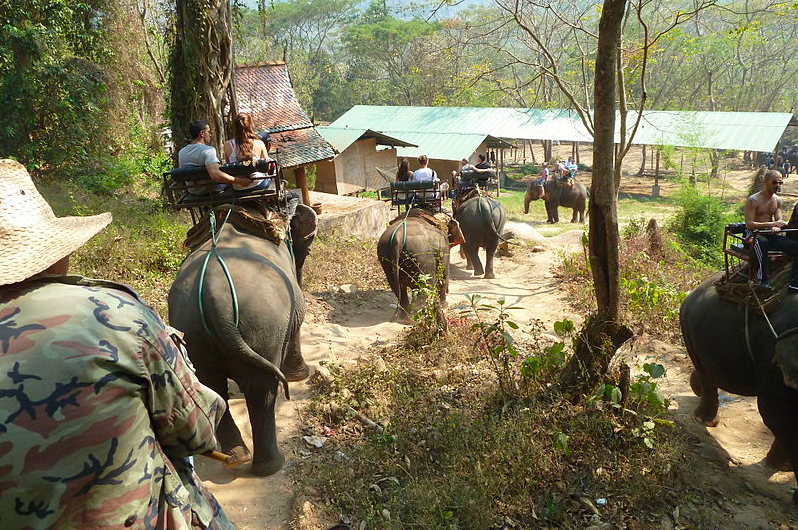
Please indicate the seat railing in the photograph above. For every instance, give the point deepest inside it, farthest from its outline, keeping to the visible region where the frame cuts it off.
(407, 194)
(737, 247)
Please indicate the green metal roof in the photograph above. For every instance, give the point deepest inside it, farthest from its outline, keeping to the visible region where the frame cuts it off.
(756, 131)
(449, 146)
(554, 124)
(342, 137)
(744, 131)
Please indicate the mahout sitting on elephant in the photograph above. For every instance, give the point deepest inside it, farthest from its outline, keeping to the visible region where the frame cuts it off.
(482, 221)
(738, 349)
(246, 329)
(557, 193)
(414, 244)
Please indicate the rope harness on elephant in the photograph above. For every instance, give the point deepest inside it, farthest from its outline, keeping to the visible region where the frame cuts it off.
(214, 251)
(777, 336)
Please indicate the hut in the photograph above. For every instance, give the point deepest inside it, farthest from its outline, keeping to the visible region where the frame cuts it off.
(359, 164)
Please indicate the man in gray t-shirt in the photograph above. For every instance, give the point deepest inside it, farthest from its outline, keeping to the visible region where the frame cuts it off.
(198, 153)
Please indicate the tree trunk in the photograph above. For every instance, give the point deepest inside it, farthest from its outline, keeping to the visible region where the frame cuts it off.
(601, 335)
(643, 164)
(201, 68)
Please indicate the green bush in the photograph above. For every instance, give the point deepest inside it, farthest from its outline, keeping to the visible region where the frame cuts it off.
(530, 169)
(699, 223)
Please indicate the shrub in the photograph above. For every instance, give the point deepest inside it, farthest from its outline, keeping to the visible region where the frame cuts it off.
(699, 223)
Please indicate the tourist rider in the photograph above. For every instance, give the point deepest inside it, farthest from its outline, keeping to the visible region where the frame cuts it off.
(100, 405)
(245, 146)
(200, 153)
(425, 173)
(763, 212)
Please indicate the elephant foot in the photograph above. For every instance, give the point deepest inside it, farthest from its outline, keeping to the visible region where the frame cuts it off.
(298, 375)
(489, 276)
(270, 467)
(478, 273)
(237, 456)
(705, 417)
(777, 459)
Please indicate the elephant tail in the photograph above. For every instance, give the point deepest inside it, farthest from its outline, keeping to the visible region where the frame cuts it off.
(487, 215)
(232, 343)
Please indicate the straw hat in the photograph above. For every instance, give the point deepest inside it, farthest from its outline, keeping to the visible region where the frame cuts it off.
(31, 237)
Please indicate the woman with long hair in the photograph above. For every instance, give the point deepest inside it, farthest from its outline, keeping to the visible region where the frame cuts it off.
(244, 146)
(403, 173)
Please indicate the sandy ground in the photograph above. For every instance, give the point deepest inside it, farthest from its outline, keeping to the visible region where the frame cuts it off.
(342, 327)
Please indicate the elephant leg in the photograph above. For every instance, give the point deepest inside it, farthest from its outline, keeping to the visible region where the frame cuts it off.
(294, 367)
(707, 410)
(695, 383)
(574, 216)
(472, 251)
(227, 433)
(490, 251)
(527, 200)
(260, 391)
(404, 303)
(465, 256)
(777, 457)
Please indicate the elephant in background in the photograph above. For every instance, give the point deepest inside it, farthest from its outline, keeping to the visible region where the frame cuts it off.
(558, 193)
(482, 221)
(262, 351)
(412, 246)
(715, 335)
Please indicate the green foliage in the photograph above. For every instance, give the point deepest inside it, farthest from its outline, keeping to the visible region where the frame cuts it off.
(429, 320)
(699, 223)
(645, 294)
(495, 339)
(530, 169)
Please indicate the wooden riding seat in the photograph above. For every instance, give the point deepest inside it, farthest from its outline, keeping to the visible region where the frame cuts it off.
(471, 179)
(738, 248)
(416, 193)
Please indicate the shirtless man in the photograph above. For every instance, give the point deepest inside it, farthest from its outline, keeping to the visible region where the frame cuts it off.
(763, 212)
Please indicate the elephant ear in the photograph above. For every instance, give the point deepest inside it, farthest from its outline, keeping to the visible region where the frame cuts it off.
(786, 358)
(304, 223)
(455, 235)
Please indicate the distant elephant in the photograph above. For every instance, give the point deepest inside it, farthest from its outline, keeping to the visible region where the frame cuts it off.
(715, 335)
(482, 221)
(262, 351)
(558, 193)
(412, 246)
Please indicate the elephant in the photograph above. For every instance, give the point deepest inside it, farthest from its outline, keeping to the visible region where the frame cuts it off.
(412, 246)
(482, 221)
(260, 351)
(557, 193)
(717, 340)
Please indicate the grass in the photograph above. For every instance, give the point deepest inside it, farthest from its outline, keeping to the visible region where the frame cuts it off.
(450, 457)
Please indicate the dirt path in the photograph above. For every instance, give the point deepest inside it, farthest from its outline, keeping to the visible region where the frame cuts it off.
(343, 326)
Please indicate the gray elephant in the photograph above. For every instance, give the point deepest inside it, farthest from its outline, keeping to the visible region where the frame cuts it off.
(558, 193)
(262, 351)
(413, 245)
(482, 221)
(718, 342)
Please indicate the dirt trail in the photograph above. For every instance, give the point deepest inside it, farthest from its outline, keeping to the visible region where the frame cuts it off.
(344, 325)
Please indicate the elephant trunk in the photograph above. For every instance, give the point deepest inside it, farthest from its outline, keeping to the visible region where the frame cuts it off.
(231, 342)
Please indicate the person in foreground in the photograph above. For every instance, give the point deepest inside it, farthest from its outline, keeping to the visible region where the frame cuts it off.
(99, 408)
(763, 212)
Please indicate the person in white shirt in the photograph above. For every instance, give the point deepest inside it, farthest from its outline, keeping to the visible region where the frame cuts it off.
(424, 173)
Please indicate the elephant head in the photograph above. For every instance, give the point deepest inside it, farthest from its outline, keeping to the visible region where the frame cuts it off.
(454, 234)
(304, 225)
(537, 191)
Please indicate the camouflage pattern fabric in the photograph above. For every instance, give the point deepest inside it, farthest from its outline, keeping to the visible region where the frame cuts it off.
(98, 411)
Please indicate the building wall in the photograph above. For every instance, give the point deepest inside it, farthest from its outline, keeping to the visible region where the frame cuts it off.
(444, 168)
(353, 170)
(325, 177)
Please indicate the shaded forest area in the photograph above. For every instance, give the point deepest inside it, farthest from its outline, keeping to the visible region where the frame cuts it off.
(85, 86)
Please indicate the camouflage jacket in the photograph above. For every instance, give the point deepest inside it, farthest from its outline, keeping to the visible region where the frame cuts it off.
(98, 410)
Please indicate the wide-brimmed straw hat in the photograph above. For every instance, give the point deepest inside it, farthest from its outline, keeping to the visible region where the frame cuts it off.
(31, 237)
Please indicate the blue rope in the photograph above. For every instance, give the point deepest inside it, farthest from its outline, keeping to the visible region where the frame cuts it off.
(214, 239)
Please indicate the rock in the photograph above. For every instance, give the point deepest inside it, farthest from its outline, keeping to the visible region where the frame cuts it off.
(347, 288)
(321, 376)
(315, 441)
(307, 508)
(538, 248)
(379, 365)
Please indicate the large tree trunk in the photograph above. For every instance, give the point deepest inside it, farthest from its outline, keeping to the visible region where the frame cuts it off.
(602, 334)
(202, 68)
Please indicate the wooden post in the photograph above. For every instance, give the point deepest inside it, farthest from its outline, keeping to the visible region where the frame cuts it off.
(655, 189)
(532, 151)
(576, 152)
(302, 184)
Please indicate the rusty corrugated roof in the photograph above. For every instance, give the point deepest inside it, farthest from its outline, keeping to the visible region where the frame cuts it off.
(264, 91)
(300, 147)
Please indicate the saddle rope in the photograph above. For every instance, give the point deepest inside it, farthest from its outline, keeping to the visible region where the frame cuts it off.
(214, 251)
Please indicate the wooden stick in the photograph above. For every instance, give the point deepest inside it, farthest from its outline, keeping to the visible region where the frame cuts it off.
(216, 455)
